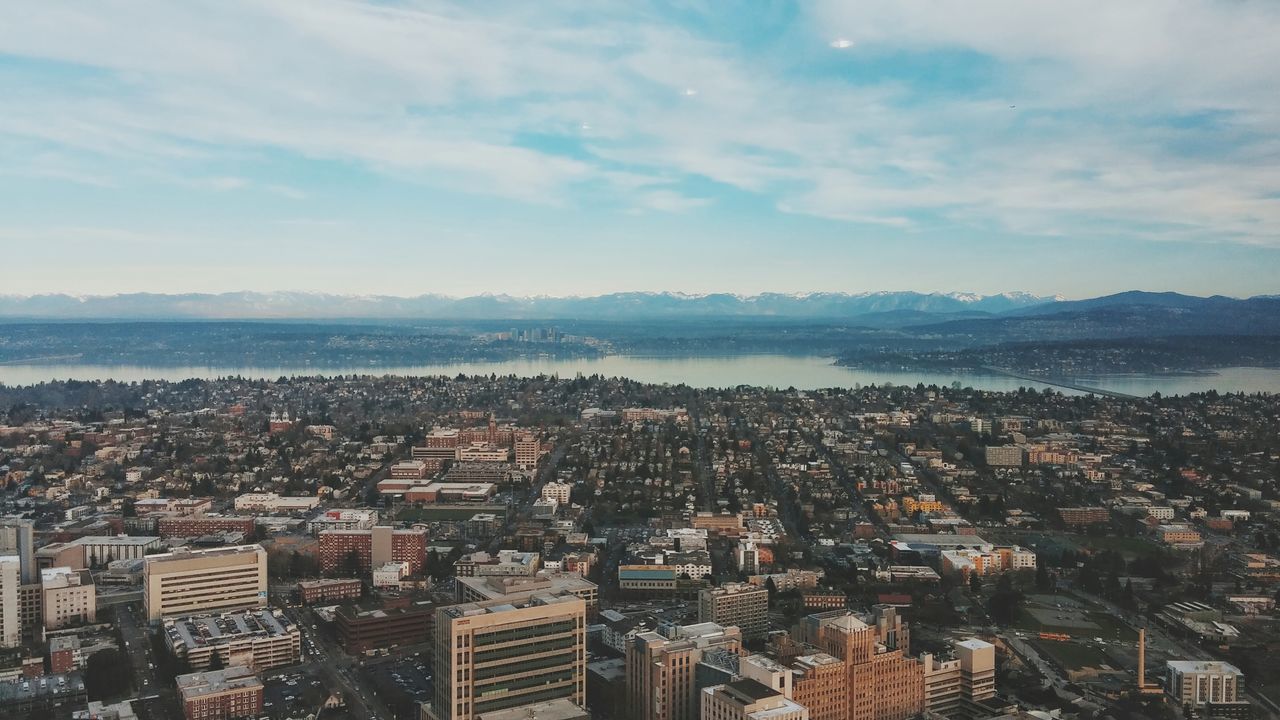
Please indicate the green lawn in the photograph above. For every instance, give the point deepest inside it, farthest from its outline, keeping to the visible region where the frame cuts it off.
(1072, 656)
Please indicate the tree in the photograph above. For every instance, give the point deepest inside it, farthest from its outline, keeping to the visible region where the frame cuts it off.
(975, 583)
(107, 674)
(351, 563)
(1043, 582)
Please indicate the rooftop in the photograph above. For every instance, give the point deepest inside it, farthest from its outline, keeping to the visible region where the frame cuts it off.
(560, 709)
(236, 677)
(205, 630)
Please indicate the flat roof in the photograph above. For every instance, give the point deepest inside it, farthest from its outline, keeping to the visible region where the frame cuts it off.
(204, 630)
(559, 709)
(212, 681)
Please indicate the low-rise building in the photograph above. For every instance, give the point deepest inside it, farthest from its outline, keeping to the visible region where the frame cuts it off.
(69, 598)
(260, 640)
(329, 590)
(226, 694)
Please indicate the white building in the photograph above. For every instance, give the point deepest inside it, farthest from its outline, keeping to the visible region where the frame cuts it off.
(1197, 682)
(273, 503)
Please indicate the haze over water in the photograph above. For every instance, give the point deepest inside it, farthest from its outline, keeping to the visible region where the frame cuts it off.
(805, 373)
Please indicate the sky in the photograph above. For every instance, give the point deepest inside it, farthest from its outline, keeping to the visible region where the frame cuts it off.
(556, 148)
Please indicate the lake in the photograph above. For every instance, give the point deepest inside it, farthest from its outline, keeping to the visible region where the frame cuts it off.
(805, 373)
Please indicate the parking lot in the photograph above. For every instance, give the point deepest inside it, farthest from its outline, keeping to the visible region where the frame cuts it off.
(292, 693)
(402, 684)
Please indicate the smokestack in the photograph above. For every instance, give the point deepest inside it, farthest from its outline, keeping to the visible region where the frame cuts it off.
(1142, 658)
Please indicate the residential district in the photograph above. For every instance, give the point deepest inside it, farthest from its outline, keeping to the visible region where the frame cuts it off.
(503, 548)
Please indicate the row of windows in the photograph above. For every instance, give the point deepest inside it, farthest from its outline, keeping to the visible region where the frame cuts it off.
(552, 645)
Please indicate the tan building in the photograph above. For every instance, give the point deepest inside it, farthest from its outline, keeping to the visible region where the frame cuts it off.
(882, 682)
(187, 582)
(952, 685)
(820, 684)
(234, 692)
(661, 667)
(1198, 682)
(496, 655)
(749, 700)
(528, 451)
(740, 604)
(68, 597)
(10, 617)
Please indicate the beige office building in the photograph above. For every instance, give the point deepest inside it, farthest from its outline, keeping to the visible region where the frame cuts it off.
(661, 668)
(190, 582)
(10, 618)
(953, 685)
(497, 655)
(69, 598)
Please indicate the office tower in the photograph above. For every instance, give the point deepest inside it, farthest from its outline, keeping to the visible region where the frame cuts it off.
(883, 684)
(977, 669)
(661, 668)
(496, 655)
(189, 582)
(749, 700)
(821, 685)
(740, 604)
(952, 685)
(10, 619)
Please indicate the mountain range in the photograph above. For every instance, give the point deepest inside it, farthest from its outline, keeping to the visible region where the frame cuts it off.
(613, 306)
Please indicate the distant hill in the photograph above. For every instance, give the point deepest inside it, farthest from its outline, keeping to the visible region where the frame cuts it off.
(616, 306)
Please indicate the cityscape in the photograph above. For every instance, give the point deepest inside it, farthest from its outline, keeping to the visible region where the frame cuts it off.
(644, 360)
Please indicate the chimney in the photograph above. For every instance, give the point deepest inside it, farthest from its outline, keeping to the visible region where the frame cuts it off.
(1142, 658)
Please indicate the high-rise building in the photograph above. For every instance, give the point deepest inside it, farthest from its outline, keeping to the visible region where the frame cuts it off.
(363, 550)
(740, 604)
(17, 537)
(496, 655)
(10, 618)
(528, 451)
(661, 668)
(881, 681)
(821, 685)
(952, 685)
(188, 582)
(749, 700)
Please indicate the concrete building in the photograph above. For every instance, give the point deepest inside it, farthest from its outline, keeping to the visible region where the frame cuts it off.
(1004, 455)
(1199, 682)
(820, 684)
(259, 640)
(367, 549)
(199, 525)
(68, 598)
(372, 626)
(56, 695)
(740, 604)
(557, 491)
(234, 692)
(17, 538)
(495, 655)
(518, 589)
(105, 549)
(186, 582)
(977, 669)
(748, 700)
(506, 563)
(10, 618)
(661, 668)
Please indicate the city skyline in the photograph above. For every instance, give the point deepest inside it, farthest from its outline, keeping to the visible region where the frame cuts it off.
(357, 148)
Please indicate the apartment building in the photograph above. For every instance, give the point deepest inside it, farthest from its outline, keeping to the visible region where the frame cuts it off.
(329, 590)
(363, 550)
(496, 655)
(661, 668)
(185, 582)
(740, 604)
(528, 451)
(234, 692)
(259, 640)
(1004, 455)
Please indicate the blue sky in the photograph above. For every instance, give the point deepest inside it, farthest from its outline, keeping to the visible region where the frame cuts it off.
(1077, 148)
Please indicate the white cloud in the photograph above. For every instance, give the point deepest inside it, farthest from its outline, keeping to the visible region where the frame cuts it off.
(448, 94)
